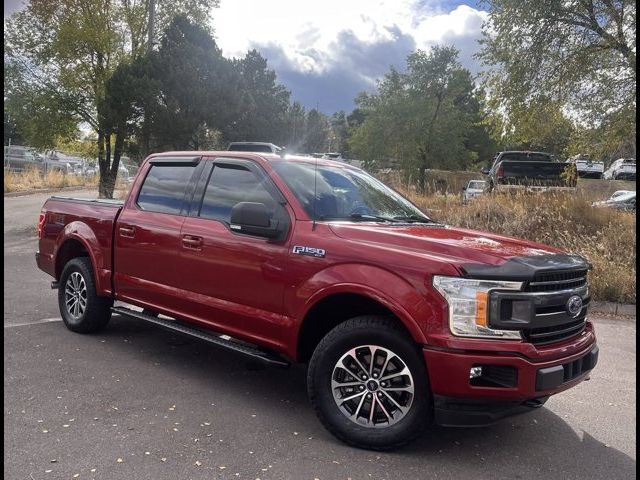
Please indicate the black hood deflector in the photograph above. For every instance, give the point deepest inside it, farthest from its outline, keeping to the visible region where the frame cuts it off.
(526, 268)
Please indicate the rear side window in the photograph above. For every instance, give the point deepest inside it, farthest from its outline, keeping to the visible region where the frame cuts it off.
(164, 188)
(229, 185)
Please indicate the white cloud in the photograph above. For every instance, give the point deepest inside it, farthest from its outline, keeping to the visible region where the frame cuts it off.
(307, 32)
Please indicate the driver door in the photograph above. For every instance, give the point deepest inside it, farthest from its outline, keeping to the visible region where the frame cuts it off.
(236, 280)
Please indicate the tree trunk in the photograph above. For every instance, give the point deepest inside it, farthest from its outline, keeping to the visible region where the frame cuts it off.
(103, 165)
(422, 173)
(107, 172)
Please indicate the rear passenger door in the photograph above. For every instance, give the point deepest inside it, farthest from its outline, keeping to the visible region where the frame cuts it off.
(237, 280)
(147, 235)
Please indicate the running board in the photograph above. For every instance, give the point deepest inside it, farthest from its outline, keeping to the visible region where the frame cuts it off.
(216, 339)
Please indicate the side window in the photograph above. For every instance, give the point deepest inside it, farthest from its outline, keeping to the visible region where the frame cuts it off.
(229, 185)
(164, 188)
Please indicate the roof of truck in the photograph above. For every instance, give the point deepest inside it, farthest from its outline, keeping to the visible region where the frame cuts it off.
(259, 156)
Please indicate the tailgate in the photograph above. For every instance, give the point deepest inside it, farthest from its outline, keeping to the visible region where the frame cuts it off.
(590, 167)
(536, 173)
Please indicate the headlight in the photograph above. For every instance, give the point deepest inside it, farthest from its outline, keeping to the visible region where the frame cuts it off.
(468, 305)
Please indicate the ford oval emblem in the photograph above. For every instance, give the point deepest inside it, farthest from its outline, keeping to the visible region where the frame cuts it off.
(574, 305)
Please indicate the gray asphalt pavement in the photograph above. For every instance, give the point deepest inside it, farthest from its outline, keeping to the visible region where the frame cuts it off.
(137, 402)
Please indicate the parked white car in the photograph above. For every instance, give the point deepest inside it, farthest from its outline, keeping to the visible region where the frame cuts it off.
(623, 201)
(621, 169)
(587, 167)
(474, 189)
(619, 193)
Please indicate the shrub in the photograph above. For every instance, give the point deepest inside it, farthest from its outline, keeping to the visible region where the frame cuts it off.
(567, 221)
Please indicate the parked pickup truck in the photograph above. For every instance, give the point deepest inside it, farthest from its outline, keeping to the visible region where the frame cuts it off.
(401, 319)
(530, 171)
(586, 167)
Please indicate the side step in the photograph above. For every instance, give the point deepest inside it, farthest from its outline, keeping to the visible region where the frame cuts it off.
(216, 339)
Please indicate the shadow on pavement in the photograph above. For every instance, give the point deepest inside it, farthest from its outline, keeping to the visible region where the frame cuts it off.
(539, 443)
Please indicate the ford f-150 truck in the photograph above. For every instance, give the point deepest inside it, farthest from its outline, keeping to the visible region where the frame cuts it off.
(402, 320)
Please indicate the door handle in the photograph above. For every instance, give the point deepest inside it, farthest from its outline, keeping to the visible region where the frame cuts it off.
(128, 232)
(192, 242)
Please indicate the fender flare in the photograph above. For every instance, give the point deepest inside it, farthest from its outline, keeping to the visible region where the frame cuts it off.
(376, 283)
(82, 233)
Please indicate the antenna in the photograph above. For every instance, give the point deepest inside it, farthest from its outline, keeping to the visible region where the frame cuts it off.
(315, 192)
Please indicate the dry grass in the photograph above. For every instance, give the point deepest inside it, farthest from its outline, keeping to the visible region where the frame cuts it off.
(33, 179)
(606, 237)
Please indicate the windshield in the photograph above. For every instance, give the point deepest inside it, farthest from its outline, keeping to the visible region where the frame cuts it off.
(625, 197)
(526, 157)
(477, 185)
(345, 193)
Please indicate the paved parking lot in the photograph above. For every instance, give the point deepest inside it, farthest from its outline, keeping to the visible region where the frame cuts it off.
(137, 402)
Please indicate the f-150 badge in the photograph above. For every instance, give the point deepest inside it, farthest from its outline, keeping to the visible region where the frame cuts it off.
(310, 251)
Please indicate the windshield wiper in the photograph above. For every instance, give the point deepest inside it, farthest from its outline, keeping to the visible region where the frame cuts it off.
(365, 217)
(413, 219)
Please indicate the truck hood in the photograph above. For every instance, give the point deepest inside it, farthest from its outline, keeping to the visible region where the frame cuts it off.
(454, 245)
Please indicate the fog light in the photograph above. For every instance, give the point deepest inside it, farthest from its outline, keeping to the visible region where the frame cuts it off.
(475, 372)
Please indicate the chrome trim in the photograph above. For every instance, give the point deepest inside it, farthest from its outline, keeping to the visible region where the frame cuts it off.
(559, 292)
(557, 282)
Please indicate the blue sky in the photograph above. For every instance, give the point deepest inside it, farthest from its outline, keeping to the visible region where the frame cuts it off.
(327, 52)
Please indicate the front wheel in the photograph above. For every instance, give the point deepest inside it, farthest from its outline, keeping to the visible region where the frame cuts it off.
(82, 310)
(368, 383)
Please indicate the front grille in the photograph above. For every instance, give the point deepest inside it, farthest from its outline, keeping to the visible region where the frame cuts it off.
(540, 311)
(543, 335)
(553, 281)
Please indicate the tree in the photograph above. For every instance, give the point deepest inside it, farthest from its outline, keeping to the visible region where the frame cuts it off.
(428, 117)
(32, 116)
(340, 133)
(296, 118)
(262, 115)
(542, 127)
(198, 90)
(577, 57)
(71, 48)
(316, 133)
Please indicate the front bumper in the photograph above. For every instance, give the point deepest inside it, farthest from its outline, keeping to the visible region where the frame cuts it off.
(523, 384)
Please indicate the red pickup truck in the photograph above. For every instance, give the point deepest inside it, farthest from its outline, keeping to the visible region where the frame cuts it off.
(402, 320)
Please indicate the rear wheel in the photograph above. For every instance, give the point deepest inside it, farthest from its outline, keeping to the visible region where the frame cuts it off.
(82, 310)
(368, 384)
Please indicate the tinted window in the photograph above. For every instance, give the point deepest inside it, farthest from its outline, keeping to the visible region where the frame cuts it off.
(164, 188)
(230, 185)
(527, 157)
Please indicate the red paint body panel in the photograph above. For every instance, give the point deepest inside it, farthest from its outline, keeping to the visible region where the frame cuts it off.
(449, 372)
(89, 224)
(260, 291)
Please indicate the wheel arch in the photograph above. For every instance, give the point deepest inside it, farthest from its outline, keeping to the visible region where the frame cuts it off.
(338, 306)
(77, 239)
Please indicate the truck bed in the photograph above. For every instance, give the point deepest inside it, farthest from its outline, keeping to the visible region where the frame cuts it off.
(79, 223)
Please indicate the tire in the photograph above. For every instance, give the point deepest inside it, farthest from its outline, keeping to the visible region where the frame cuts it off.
(77, 282)
(390, 428)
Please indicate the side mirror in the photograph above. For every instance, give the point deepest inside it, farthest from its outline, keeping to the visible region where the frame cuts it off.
(464, 188)
(253, 219)
(485, 170)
